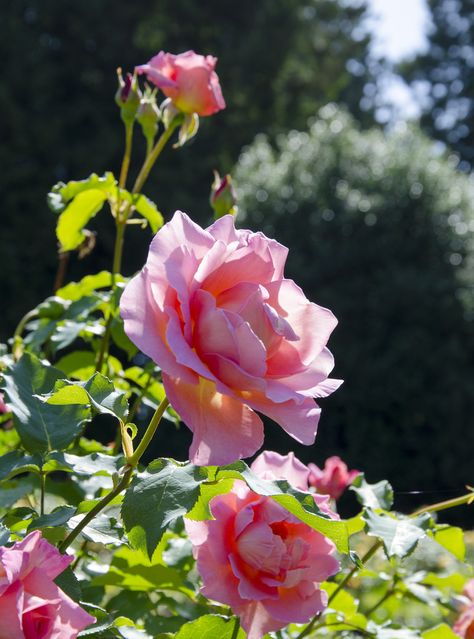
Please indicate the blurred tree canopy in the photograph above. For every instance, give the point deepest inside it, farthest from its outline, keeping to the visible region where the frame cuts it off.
(445, 77)
(380, 229)
(279, 60)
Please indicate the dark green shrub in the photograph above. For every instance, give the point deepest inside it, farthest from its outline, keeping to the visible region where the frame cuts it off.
(380, 229)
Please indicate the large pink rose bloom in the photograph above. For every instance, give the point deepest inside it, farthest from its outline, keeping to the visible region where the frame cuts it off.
(31, 605)
(212, 308)
(333, 479)
(261, 561)
(188, 79)
(464, 625)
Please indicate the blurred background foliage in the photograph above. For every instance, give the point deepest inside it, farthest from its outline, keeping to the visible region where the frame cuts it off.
(380, 226)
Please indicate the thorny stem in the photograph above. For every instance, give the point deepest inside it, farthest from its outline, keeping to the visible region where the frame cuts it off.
(128, 471)
(42, 490)
(149, 433)
(387, 595)
(152, 157)
(122, 218)
(235, 631)
(105, 501)
(127, 154)
(63, 260)
(23, 322)
(449, 503)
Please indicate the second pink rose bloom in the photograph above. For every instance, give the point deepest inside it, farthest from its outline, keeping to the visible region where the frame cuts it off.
(232, 336)
(188, 79)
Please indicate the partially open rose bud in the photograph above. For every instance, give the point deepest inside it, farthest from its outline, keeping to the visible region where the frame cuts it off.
(223, 198)
(127, 96)
(188, 79)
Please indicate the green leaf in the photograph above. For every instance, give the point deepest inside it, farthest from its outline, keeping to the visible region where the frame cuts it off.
(76, 290)
(79, 364)
(17, 462)
(61, 194)
(98, 391)
(42, 427)
(154, 390)
(4, 535)
(343, 602)
(147, 209)
(103, 529)
(355, 524)
(166, 491)
(9, 440)
(210, 627)
(443, 631)
(76, 203)
(104, 621)
(300, 504)
(130, 570)
(387, 632)
(15, 489)
(201, 510)
(451, 538)
(60, 516)
(399, 536)
(86, 465)
(73, 219)
(379, 495)
(69, 584)
(121, 339)
(52, 308)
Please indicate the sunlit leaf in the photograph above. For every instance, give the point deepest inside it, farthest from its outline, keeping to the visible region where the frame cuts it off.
(210, 627)
(166, 491)
(41, 426)
(379, 495)
(399, 536)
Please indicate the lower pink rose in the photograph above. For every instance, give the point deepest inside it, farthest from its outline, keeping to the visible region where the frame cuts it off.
(258, 558)
(464, 625)
(31, 604)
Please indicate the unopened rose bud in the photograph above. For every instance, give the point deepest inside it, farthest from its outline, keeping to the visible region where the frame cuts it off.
(128, 96)
(148, 115)
(223, 198)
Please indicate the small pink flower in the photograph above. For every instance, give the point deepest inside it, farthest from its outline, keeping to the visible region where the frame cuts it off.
(232, 336)
(334, 479)
(3, 406)
(261, 561)
(31, 605)
(464, 625)
(188, 79)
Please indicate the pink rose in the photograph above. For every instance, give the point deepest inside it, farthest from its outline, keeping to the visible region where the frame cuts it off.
(334, 479)
(231, 335)
(188, 79)
(273, 466)
(261, 561)
(464, 625)
(31, 605)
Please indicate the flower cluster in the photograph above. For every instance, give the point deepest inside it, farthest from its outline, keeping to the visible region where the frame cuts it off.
(258, 558)
(31, 604)
(213, 309)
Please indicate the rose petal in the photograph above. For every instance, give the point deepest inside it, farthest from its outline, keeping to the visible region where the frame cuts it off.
(224, 429)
